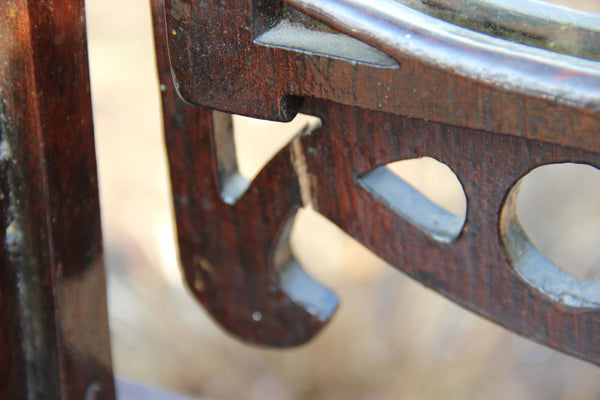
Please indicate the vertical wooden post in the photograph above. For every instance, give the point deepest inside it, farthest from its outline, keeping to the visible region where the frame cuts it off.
(54, 341)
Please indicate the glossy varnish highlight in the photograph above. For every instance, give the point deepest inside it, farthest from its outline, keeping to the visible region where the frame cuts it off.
(54, 340)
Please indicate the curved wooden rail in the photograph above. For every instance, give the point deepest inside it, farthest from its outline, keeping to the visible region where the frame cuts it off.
(531, 22)
(412, 37)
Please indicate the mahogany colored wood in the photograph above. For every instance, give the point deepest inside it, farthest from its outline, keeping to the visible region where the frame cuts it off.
(226, 57)
(489, 109)
(54, 341)
(227, 250)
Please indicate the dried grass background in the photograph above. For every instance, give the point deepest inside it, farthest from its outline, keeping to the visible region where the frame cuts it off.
(391, 338)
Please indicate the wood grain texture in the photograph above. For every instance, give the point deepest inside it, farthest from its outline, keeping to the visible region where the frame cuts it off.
(229, 252)
(52, 281)
(472, 271)
(491, 111)
(488, 83)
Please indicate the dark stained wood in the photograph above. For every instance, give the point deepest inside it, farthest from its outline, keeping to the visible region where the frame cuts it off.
(228, 250)
(492, 111)
(472, 271)
(54, 342)
(221, 58)
(220, 61)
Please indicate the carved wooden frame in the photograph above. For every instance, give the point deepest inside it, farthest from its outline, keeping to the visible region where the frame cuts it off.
(490, 109)
(387, 82)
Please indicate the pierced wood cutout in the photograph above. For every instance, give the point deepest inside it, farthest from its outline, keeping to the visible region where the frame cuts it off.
(409, 203)
(414, 86)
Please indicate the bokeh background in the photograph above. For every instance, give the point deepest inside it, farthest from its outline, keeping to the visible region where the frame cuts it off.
(391, 338)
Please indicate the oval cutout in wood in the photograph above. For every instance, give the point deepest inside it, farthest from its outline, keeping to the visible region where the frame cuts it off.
(550, 229)
(423, 191)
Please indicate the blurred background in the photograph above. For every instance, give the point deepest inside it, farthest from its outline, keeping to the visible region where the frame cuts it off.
(391, 338)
